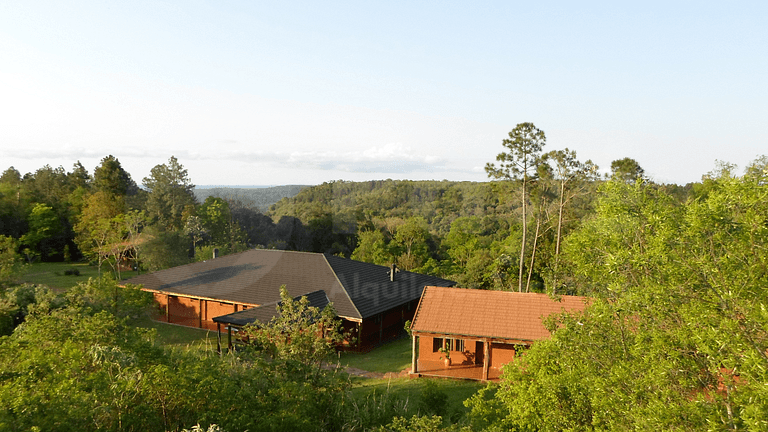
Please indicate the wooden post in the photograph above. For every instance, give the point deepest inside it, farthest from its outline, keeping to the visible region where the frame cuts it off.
(486, 359)
(414, 357)
(229, 337)
(200, 314)
(218, 337)
(360, 335)
(168, 308)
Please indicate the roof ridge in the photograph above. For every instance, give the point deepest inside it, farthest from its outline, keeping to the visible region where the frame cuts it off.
(346, 293)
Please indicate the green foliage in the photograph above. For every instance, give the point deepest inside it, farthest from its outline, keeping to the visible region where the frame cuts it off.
(170, 192)
(677, 335)
(415, 424)
(627, 170)
(433, 400)
(215, 216)
(372, 247)
(105, 294)
(260, 198)
(300, 338)
(43, 225)
(110, 177)
(11, 264)
(520, 162)
(164, 249)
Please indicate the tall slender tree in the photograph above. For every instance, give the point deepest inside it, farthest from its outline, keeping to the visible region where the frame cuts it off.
(519, 163)
(572, 178)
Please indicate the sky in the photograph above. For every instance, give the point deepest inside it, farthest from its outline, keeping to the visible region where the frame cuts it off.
(273, 93)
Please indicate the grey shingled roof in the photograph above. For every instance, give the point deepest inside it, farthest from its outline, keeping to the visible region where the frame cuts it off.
(356, 289)
(265, 313)
(370, 288)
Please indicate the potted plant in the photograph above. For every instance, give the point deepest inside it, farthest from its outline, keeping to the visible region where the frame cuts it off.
(446, 355)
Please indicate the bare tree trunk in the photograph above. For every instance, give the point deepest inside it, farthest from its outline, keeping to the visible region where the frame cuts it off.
(533, 255)
(559, 234)
(522, 244)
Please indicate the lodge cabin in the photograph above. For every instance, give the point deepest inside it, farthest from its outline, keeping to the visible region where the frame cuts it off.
(471, 334)
(373, 301)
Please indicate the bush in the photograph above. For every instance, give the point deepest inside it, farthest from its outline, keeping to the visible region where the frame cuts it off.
(434, 401)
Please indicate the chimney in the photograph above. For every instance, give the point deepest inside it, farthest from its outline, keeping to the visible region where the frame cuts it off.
(215, 253)
(392, 270)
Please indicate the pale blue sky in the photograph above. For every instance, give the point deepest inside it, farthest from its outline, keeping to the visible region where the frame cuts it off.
(301, 93)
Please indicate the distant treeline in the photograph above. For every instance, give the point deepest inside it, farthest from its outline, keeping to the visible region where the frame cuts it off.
(260, 198)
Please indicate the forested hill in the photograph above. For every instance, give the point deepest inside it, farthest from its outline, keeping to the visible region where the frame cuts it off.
(258, 197)
(438, 202)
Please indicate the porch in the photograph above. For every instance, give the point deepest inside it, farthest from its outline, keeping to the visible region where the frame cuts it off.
(438, 369)
(470, 358)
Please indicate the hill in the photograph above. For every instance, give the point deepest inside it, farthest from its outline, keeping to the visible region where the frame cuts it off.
(259, 197)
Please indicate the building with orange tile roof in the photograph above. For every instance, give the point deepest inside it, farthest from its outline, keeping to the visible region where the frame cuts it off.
(477, 330)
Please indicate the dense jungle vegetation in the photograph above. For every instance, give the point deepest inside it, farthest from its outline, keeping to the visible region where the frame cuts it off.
(676, 336)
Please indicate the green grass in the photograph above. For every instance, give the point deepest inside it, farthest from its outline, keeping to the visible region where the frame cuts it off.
(411, 389)
(391, 357)
(52, 274)
(176, 336)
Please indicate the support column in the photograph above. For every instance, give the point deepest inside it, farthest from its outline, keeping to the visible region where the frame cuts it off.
(486, 359)
(168, 308)
(360, 335)
(229, 337)
(414, 356)
(218, 338)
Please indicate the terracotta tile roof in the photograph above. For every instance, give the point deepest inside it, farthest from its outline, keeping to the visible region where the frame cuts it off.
(357, 289)
(496, 314)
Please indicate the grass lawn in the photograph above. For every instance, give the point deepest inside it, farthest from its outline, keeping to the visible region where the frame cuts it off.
(394, 357)
(52, 274)
(391, 357)
(412, 390)
(176, 336)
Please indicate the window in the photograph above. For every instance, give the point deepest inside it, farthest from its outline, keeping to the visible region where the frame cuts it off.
(437, 343)
(459, 345)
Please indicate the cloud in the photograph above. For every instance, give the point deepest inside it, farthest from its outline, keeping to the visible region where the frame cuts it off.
(390, 158)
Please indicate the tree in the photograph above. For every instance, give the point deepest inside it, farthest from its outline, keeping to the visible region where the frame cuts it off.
(43, 224)
(79, 176)
(627, 170)
(11, 176)
(164, 249)
(295, 347)
(372, 248)
(170, 191)
(573, 179)
(110, 177)
(463, 240)
(757, 169)
(215, 216)
(195, 229)
(676, 336)
(519, 163)
(411, 239)
(11, 265)
(101, 226)
(300, 337)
